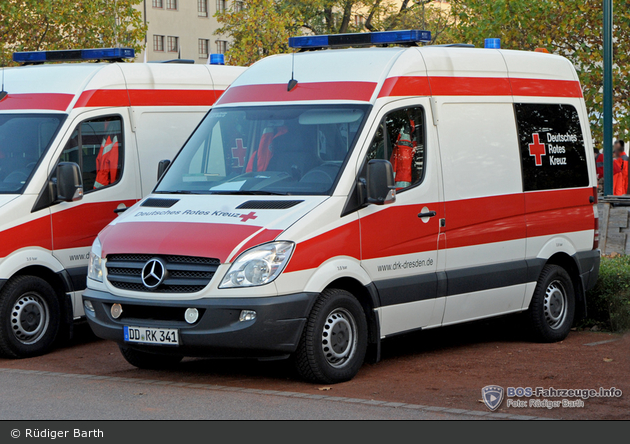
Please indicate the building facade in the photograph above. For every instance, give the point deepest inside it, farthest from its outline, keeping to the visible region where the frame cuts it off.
(183, 29)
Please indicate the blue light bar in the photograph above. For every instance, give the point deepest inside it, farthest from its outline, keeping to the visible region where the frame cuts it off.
(74, 55)
(360, 39)
(217, 59)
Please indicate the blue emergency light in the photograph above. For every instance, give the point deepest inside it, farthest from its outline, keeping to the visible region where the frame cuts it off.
(360, 39)
(74, 55)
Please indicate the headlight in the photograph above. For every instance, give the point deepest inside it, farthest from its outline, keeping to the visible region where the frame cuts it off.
(95, 263)
(258, 266)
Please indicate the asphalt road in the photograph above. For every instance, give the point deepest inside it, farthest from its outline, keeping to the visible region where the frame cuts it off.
(59, 396)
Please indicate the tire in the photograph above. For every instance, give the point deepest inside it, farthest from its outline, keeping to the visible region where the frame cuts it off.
(149, 361)
(552, 309)
(29, 317)
(338, 316)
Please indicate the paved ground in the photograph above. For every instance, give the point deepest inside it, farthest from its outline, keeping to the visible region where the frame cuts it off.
(443, 369)
(56, 396)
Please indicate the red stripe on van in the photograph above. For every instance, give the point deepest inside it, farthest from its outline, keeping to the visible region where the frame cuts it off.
(405, 86)
(78, 226)
(34, 233)
(559, 211)
(484, 220)
(176, 238)
(341, 241)
(277, 92)
(469, 222)
(546, 88)
(478, 86)
(57, 102)
(470, 86)
(147, 97)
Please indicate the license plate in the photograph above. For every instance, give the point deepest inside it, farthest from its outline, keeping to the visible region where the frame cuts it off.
(145, 335)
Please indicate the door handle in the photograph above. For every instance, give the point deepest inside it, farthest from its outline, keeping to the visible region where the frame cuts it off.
(427, 214)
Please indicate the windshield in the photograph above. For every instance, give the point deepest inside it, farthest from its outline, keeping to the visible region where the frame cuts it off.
(266, 150)
(24, 138)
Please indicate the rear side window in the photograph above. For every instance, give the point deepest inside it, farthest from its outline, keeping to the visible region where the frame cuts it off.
(552, 147)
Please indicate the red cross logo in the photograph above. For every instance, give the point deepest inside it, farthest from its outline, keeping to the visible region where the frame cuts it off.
(537, 149)
(246, 217)
(239, 152)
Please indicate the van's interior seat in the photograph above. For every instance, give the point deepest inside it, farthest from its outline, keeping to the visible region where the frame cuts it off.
(291, 155)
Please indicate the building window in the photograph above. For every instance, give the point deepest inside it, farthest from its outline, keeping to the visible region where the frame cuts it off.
(173, 44)
(221, 6)
(158, 3)
(203, 48)
(239, 6)
(221, 46)
(202, 8)
(171, 4)
(158, 43)
(359, 21)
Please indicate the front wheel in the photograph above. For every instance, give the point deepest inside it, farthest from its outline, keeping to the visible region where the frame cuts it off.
(552, 308)
(29, 317)
(334, 341)
(146, 360)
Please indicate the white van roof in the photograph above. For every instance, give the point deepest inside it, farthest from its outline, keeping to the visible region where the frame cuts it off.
(62, 87)
(365, 74)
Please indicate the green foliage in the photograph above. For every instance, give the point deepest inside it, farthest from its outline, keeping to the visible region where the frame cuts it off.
(608, 304)
(571, 28)
(261, 29)
(33, 25)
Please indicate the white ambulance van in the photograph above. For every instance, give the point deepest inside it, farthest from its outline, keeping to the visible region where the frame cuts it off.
(337, 197)
(79, 142)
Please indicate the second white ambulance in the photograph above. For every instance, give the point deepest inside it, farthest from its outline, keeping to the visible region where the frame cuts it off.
(337, 197)
(78, 143)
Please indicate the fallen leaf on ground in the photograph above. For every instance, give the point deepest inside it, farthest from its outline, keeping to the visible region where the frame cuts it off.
(325, 388)
(607, 359)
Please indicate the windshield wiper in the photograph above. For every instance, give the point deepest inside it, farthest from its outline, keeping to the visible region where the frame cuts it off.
(249, 193)
(176, 192)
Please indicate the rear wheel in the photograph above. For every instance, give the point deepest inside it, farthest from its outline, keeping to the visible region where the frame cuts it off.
(29, 317)
(334, 341)
(552, 308)
(147, 360)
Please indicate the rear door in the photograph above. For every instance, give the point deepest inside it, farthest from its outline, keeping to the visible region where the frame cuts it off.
(399, 242)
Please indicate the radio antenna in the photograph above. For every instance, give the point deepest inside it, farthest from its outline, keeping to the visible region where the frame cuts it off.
(292, 83)
(3, 93)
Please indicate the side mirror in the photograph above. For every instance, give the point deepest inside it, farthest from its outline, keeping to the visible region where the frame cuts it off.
(162, 167)
(69, 182)
(380, 182)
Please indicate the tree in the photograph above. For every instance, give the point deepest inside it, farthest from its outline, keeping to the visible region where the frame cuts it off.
(260, 29)
(33, 25)
(426, 15)
(572, 28)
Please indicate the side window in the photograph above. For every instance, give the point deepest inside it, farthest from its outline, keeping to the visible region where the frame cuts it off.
(552, 147)
(97, 146)
(400, 138)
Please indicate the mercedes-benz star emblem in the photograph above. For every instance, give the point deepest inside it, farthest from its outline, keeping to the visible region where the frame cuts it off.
(153, 273)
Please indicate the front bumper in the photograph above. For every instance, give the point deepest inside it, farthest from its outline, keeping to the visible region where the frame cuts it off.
(218, 331)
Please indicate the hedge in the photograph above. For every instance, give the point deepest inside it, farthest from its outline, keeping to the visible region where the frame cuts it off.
(608, 303)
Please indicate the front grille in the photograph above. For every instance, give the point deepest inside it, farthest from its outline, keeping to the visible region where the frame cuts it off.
(184, 274)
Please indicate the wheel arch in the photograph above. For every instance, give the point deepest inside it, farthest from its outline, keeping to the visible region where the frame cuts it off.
(569, 264)
(369, 300)
(60, 283)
